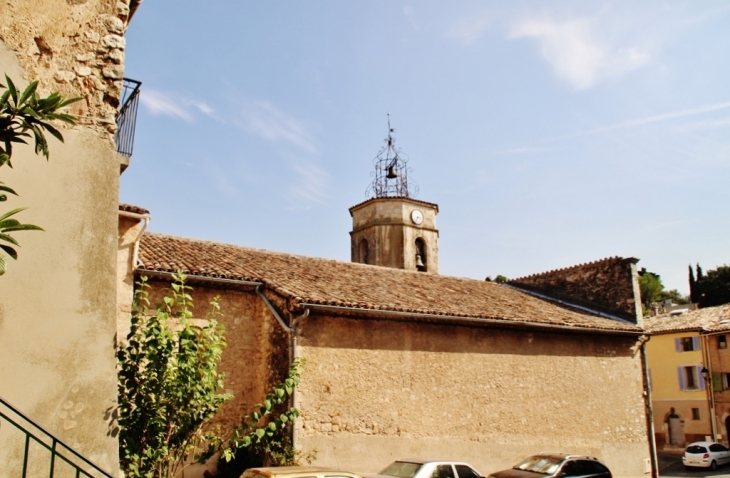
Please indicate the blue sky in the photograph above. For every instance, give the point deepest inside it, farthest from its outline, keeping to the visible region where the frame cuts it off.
(549, 133)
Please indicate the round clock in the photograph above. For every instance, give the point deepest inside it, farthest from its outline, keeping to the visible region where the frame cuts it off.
(416, 216)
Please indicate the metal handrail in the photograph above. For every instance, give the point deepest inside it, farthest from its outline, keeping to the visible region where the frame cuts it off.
(83, 470)
(127, 116)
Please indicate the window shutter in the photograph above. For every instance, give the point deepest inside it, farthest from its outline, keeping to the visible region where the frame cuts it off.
(682, 383)
(700, 378)
(717, 381)
(695, 343)
(678, 344)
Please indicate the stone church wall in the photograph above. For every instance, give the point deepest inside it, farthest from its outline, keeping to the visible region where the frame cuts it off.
(376, 391)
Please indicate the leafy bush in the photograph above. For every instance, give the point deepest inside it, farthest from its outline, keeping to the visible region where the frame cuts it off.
(168, 383)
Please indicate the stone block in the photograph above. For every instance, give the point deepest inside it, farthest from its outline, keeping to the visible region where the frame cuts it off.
(113, 71)
(113, 41)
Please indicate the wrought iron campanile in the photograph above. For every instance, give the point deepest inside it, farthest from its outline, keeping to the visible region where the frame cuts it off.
(392, 228)
(390, 178)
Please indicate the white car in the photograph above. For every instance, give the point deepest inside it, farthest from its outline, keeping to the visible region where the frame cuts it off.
(705, 454)
(416, 468)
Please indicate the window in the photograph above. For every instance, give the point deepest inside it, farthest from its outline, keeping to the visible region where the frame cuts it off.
(421, 259)
(466, 472)
(443, 471)
(721, 342)
(695, 414)
(690, 378)
(363, 252)
(687, 344)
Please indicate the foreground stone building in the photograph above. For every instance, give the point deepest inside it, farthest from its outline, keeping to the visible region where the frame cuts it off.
(57, 301)
(404, 362)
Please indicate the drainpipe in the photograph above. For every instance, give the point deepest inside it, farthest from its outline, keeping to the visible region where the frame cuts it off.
(141, 217)
(649, 410)
(708, 384)
(293, 332)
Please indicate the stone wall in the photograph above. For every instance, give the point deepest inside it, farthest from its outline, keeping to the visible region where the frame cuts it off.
(72, 46)
(609, 285)
(386, 225)
(256, 356)
(376, 391)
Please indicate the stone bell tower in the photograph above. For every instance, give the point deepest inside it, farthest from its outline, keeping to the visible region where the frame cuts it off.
(392, 229)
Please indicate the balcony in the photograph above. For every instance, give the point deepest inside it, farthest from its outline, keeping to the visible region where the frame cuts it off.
(127, 117)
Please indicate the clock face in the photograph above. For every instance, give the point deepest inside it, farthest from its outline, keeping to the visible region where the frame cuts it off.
(416, 216)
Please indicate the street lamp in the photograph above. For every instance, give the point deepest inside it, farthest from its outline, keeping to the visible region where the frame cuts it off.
(708, 387)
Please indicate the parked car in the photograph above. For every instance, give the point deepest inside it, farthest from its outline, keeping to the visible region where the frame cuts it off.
(553, 465)
(296, 472)
(705, 454)
(416, 468)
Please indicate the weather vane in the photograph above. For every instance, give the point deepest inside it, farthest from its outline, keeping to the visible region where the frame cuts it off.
(390, 178)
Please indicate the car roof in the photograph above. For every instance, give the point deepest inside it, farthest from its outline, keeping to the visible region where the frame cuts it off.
(702, 443)
(567, 456)
(422, 461)
(295, 470)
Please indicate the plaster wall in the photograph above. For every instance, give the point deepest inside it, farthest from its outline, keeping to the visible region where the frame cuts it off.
(129, 232)
(376, 391)
(58, 300)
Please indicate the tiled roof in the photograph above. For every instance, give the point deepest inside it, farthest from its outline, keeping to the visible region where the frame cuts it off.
(607, 260)
(133, 209)
(307, 280)
(709, 319)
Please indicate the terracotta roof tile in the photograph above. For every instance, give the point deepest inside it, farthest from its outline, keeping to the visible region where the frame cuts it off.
(133, 209)
(329, 282)
(709, 319)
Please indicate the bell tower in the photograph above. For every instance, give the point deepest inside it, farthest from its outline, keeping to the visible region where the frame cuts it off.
(392, 229)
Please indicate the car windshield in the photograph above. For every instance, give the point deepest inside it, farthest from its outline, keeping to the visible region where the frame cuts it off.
(401, 469)
(546, 465)
(696, 449)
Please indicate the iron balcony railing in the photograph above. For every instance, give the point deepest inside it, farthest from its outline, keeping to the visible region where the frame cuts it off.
(127, 116)
(36, 443)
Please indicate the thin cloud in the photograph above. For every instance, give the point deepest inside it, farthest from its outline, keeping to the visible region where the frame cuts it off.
(161, 103)
(265, 120)
(632, 123)
(310, 187)
(468, 31)
(525, 150)
(578, 51)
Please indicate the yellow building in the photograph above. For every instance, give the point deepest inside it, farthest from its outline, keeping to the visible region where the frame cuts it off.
(678, 388)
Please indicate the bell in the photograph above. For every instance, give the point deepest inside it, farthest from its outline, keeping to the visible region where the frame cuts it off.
(391, 172)
(419, 262)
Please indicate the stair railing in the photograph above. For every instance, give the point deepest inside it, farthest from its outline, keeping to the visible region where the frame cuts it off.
(59, 451)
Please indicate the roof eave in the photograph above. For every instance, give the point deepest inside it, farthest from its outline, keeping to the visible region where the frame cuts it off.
(379, 314)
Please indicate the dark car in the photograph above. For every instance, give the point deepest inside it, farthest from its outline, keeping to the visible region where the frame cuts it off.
(556, 465)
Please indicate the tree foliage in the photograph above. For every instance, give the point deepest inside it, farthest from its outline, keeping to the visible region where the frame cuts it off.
(711, 288)
(651, 287)
(168, 383)
(263, 437)
(25, 115)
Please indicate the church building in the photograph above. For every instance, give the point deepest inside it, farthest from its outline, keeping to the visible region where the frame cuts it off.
(404, 362)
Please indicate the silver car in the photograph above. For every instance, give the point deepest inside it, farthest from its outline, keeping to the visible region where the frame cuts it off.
(416, 468)
(705, 454)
